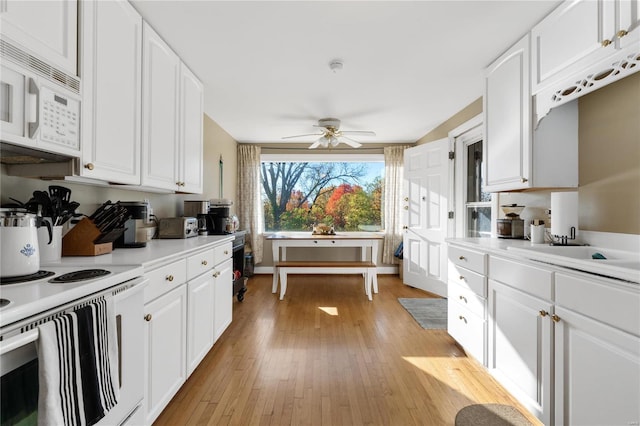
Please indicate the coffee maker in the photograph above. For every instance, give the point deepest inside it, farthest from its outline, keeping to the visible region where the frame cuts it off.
(218, 220)
(133, 237)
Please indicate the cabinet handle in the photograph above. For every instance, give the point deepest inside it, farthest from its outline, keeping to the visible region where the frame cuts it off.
(463, 298)
(555, 318)
(622, 33)
(462, 319)
(605, 42)
(89, 166)
(543, 313)
(169, 278)
(147, 317)
(462, 258)
(204, 263)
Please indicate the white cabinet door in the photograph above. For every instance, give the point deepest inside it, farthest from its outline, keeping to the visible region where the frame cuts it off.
(628, 24)
(597, 372)
(576, 34)
(160, 99)
(47, 29)
(111, 79)
(200, 324)
(165, 349)
(507, 120)
(191, 110)
(426, 203)
(520, 333)
(223, 297)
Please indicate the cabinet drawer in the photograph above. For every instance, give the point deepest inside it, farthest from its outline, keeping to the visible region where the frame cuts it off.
(466, 278)
(468, 299)
(473, 260)
(164, 279)
(600, 299)
(222, 253)
(200, 263)
(530, 279)
(468, 329)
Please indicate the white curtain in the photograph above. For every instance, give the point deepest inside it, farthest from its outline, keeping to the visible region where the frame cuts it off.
(393, 175)
(250, 212)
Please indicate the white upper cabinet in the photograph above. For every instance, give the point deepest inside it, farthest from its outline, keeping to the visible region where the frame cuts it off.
(111, 82)
(160, 98)
(191, 150)
(582, 46)
(172, 119)
(46, 29)
(517, 156)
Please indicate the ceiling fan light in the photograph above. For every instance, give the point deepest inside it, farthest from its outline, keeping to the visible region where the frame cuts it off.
(334, 141)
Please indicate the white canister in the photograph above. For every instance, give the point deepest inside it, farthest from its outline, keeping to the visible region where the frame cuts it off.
(50, 251)
(537, 234)
(19, 250)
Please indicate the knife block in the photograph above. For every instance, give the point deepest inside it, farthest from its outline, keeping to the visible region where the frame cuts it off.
(80, 240)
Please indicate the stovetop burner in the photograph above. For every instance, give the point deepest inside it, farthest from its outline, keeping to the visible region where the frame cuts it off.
(82, 275)
(26, 278)
(4, 302)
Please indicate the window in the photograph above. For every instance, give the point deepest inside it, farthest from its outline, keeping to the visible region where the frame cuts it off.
(302, 190)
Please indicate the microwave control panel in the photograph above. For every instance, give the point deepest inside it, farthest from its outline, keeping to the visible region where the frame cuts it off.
(59, 119)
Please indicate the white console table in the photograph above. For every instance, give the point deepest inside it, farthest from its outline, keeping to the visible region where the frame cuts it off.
(366, 241)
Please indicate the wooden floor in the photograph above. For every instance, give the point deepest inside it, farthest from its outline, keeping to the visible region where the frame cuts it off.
(326, 355)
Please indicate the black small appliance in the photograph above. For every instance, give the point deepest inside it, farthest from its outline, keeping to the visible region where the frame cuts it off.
(131, 237)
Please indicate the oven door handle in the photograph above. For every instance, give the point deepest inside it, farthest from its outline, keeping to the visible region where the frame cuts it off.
(18, 341)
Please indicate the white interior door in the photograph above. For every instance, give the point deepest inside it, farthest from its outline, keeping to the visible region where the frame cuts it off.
(425, 214)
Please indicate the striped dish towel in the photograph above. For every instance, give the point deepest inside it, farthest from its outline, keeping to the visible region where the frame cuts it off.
(78, 366)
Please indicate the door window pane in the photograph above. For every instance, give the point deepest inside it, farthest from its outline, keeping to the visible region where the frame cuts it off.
(478, 222)
(475, 174)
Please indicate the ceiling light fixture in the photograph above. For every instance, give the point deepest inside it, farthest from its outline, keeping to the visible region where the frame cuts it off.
(335, 65)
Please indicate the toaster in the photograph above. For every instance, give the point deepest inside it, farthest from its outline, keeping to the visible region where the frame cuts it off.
(178, 227)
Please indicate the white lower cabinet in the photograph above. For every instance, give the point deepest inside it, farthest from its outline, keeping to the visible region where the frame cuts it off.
(520, 344)
(223, 297)
(165, 349)
(200, 323)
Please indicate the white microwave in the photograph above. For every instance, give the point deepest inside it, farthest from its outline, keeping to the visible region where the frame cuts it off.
(37, 113)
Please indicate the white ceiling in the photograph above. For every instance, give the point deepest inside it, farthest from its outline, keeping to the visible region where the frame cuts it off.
(408, 66)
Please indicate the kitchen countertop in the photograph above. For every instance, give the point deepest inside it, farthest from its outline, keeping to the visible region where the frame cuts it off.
(157, 252)
(627, 269)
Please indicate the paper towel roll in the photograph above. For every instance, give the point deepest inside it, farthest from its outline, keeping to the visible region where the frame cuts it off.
(564, 213)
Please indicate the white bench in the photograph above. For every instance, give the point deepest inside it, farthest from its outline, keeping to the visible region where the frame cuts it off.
(365, 268)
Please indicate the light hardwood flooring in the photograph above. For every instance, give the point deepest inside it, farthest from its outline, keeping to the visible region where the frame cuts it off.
(327, 356)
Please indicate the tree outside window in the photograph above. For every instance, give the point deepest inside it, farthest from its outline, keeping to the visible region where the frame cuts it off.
(345, 195)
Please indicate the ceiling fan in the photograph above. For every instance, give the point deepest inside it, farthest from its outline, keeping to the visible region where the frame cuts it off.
(331, 134)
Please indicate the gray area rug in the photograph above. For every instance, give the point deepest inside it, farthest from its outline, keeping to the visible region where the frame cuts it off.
(490, 415)
(429, 313)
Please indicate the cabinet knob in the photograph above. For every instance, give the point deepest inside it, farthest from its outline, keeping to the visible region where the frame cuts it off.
(333, 241)
(405, 227)
(147, 317)
(461, 318)
(463, 299)
(226, 252)
(406, 198)
(622, 33)
(204, 263)
(89, 166)
(555, 318)
(524, 180)
(462, 258)
(216, 274)
(406, 207)
(462, 278)
(543, 313)
(169, 278)
(605, 42)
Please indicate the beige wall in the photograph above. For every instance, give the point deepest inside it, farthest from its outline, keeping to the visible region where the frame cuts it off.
(464, 115)
(216, 142)
(609, 160)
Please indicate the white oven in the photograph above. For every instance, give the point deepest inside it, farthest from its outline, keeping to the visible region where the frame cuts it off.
(19, 358)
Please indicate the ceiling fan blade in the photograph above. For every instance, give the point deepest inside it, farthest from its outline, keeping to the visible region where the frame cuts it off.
(299, 136)
(315, 144)
(350, 142)
(359, 132)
